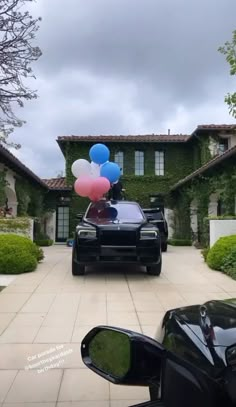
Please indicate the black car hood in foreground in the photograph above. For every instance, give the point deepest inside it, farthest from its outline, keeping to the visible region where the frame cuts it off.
(218, 326)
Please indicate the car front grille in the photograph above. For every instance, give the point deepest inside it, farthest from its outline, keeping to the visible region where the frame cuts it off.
(118, 238)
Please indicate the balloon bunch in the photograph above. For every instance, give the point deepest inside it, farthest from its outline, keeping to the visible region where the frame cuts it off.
(94, 179)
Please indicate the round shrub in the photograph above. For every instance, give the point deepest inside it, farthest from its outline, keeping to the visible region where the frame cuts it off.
(18, 254)
(229, 264)
(43, 242)
(16, 262)
(23, 242)
(220, 251)
(205, 252)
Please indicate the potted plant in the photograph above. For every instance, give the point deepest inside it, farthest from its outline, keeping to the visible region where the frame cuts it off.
(70, 241)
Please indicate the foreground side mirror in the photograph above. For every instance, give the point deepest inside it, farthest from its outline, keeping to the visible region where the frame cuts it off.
(122, 356)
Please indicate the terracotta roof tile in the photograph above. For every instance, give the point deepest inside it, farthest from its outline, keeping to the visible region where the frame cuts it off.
(57, 183)
(216, 160)
(174, 138)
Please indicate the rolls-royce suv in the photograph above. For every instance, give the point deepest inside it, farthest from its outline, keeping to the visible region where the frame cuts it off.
(114, 232)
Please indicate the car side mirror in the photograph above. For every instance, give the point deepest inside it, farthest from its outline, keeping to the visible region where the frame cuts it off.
(149, 218)
(79, 216)
(122, 356)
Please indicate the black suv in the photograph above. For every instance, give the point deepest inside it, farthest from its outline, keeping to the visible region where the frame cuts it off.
(157, 218)
(116, 232)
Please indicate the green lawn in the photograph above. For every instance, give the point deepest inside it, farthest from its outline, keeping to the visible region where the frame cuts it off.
(1, 288)
(110, 352)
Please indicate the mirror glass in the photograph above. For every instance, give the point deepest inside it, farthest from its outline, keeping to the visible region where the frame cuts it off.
(109, 351)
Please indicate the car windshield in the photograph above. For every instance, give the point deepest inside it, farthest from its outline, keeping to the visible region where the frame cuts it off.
(122, 212)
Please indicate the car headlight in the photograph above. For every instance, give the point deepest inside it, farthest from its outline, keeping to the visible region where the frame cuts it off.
(87, 233)
(231, 355)
(148, 234)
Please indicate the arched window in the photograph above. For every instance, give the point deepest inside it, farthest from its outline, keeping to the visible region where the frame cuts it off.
(119, 159)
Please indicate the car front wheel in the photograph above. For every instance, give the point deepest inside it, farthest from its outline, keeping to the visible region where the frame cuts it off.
(78, 269)
(155, 270)
(164, 247)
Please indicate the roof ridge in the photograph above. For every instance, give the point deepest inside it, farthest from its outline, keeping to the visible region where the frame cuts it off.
(208, 164)
(9, 155)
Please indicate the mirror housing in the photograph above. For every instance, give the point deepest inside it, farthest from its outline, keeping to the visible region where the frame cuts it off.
(149, 218)
(79, 216)
(142, 359)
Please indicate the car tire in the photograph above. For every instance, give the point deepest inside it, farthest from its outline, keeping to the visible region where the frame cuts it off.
(164, 247)
(155, 270)
(78, 269)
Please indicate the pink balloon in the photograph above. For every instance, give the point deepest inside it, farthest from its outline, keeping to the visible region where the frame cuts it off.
(94, 197)
(83, 185)
(101, 185)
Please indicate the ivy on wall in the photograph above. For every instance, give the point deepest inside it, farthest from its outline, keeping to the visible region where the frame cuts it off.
(178, 163)
(30, 198)
(205, 153)
(14, 225)
(221, 181)
(3, 183)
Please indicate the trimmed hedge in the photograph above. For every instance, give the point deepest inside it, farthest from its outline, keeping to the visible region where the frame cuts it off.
(180, 242)
(205, 252)
(229, 264)
(18, 254)
(221, 249)
(43, 242)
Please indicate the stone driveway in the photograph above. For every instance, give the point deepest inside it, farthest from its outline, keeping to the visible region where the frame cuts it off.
(45, 315)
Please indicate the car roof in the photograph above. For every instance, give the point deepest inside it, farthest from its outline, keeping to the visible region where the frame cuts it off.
(113, 202)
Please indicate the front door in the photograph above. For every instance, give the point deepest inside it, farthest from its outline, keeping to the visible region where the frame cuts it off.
(62, 225)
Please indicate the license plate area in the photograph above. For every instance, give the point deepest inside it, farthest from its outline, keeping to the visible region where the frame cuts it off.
(118, 252)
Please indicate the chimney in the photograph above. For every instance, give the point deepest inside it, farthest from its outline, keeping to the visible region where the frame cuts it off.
(168, 132)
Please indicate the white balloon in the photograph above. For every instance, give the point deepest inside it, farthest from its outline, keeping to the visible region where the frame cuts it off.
(94, 170)
(80, 167)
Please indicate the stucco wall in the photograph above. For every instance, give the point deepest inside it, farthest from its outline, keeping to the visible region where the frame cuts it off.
(169, 215)
(10, 189)
(232, 140)
(10, 226)
(51, 225)
(220, 228)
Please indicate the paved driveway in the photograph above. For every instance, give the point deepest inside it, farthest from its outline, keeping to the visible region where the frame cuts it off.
(45, 315)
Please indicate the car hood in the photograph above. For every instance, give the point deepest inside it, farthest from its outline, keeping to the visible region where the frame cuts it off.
(221, 317)
(114, 225)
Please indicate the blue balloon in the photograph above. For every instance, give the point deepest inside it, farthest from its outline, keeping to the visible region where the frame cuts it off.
(99, 153)
(111, 171)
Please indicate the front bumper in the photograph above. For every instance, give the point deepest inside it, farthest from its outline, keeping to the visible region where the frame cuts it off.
(142, 254)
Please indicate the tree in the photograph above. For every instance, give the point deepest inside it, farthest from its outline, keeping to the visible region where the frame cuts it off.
(17, 52)
(229, 50)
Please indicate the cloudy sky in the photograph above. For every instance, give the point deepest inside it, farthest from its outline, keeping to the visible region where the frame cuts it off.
(124, 67)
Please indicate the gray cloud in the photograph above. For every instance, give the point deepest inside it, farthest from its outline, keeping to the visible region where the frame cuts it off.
(127, 66)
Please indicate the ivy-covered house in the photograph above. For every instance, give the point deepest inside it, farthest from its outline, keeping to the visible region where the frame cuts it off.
(20, 189)
(210, 190)
(168, 170)
(150, 164)
(191, 176)
(23, 194)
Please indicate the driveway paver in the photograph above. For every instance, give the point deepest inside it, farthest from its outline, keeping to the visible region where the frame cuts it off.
(45, 314)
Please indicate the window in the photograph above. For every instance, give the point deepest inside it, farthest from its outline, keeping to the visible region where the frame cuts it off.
(119, 159)
(159, 162)
(62, 223)
(223, 145)
(139, 163)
